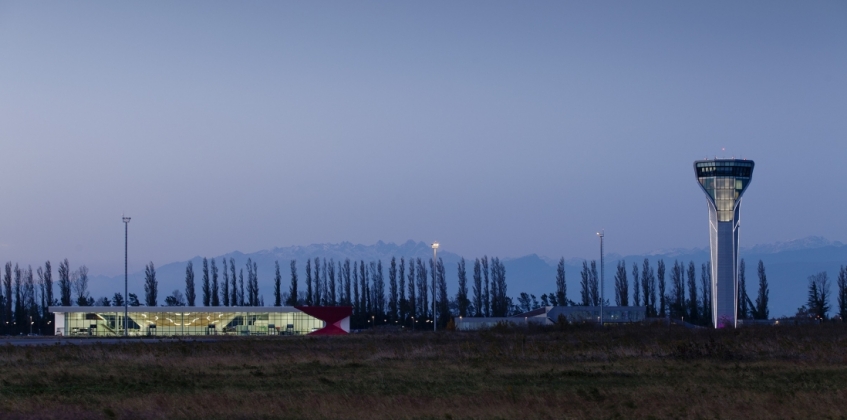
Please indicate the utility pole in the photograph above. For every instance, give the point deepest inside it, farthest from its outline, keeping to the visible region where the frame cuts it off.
(126, 276)
(434, 280)
(601, 234)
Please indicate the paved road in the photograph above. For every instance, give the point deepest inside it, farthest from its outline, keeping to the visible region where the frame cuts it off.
(49, 341)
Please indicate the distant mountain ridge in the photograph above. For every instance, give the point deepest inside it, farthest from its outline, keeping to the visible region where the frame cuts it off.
(810, 242)
(788, 265)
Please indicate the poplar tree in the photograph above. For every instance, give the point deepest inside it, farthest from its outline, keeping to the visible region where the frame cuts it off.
(363, 285)
(30, 309)
(347, 296)
(240, 287)
(762, 298)
(486, 296)
(743, 310)
(693, 307)
(648, 287)
(19, 313)
(477, 288)
(255, 287)
(316, 289)
(433, 288)
(677, 306)
(48, 284)
(402, 304)
(341, 296)
(423, 293)
(660, 277)
(621, 285)
(207, 289)
(42, 302)
(214, 291)
(636, 285)
(561, 285)
(594, 285)
(190, 294)
(292, 289)
(151, 285)
(500, 301)
(842, 291)
(277, 285)
(585, 284)
(444, 303)
(225, 284)
(462, 295)
(233, 292)
(356, 297)
(64, 284)
(706, 293)
(331, 285)
(372, 286)
(378, 290)
(309, 282)
(392, 289)
(250, 291)
(412, 291)
(325, 292)
(10, 301)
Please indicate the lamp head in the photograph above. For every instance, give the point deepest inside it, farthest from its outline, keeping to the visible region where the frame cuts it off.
(435, 245)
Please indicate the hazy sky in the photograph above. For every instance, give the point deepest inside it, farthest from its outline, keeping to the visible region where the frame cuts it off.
(504, 128)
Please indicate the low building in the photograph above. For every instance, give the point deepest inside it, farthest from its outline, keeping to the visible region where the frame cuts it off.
(548, 315)
(104, 321)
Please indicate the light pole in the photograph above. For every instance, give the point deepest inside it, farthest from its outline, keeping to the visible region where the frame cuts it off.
(602, 275)
(434, 280)
(126, 276)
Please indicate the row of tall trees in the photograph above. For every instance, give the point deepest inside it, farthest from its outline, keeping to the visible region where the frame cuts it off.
(689, 296)
(219, 286)
(25, 295)
(407, 297)
(415, 290)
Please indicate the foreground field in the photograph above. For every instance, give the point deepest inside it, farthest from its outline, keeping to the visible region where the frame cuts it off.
(629, 372)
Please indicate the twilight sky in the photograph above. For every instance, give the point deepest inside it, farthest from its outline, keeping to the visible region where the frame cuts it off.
(504, 128)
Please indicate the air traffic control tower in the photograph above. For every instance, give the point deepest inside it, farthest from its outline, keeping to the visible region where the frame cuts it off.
(724, 182)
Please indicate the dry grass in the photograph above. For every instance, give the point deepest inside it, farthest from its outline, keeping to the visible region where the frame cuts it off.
(626, 372)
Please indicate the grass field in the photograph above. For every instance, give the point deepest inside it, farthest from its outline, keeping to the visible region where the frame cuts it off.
(573, 372)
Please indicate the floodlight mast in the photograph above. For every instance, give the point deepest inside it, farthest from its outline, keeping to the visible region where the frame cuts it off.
(434, 280)
(601, 234)
(126, 276)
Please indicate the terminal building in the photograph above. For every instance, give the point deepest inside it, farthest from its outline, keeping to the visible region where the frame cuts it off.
(724, 182)
(105, 321)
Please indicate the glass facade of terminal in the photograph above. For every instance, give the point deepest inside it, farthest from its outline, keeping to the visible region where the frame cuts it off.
(724, 182)
(183, 320)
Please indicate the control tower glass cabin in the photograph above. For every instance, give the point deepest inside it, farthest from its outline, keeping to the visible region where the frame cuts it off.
(724, 182)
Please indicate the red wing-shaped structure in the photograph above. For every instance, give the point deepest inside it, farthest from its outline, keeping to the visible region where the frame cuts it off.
(337, 318)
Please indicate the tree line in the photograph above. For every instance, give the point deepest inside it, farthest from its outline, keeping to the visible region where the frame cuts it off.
(406, 296)
(26, 295)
